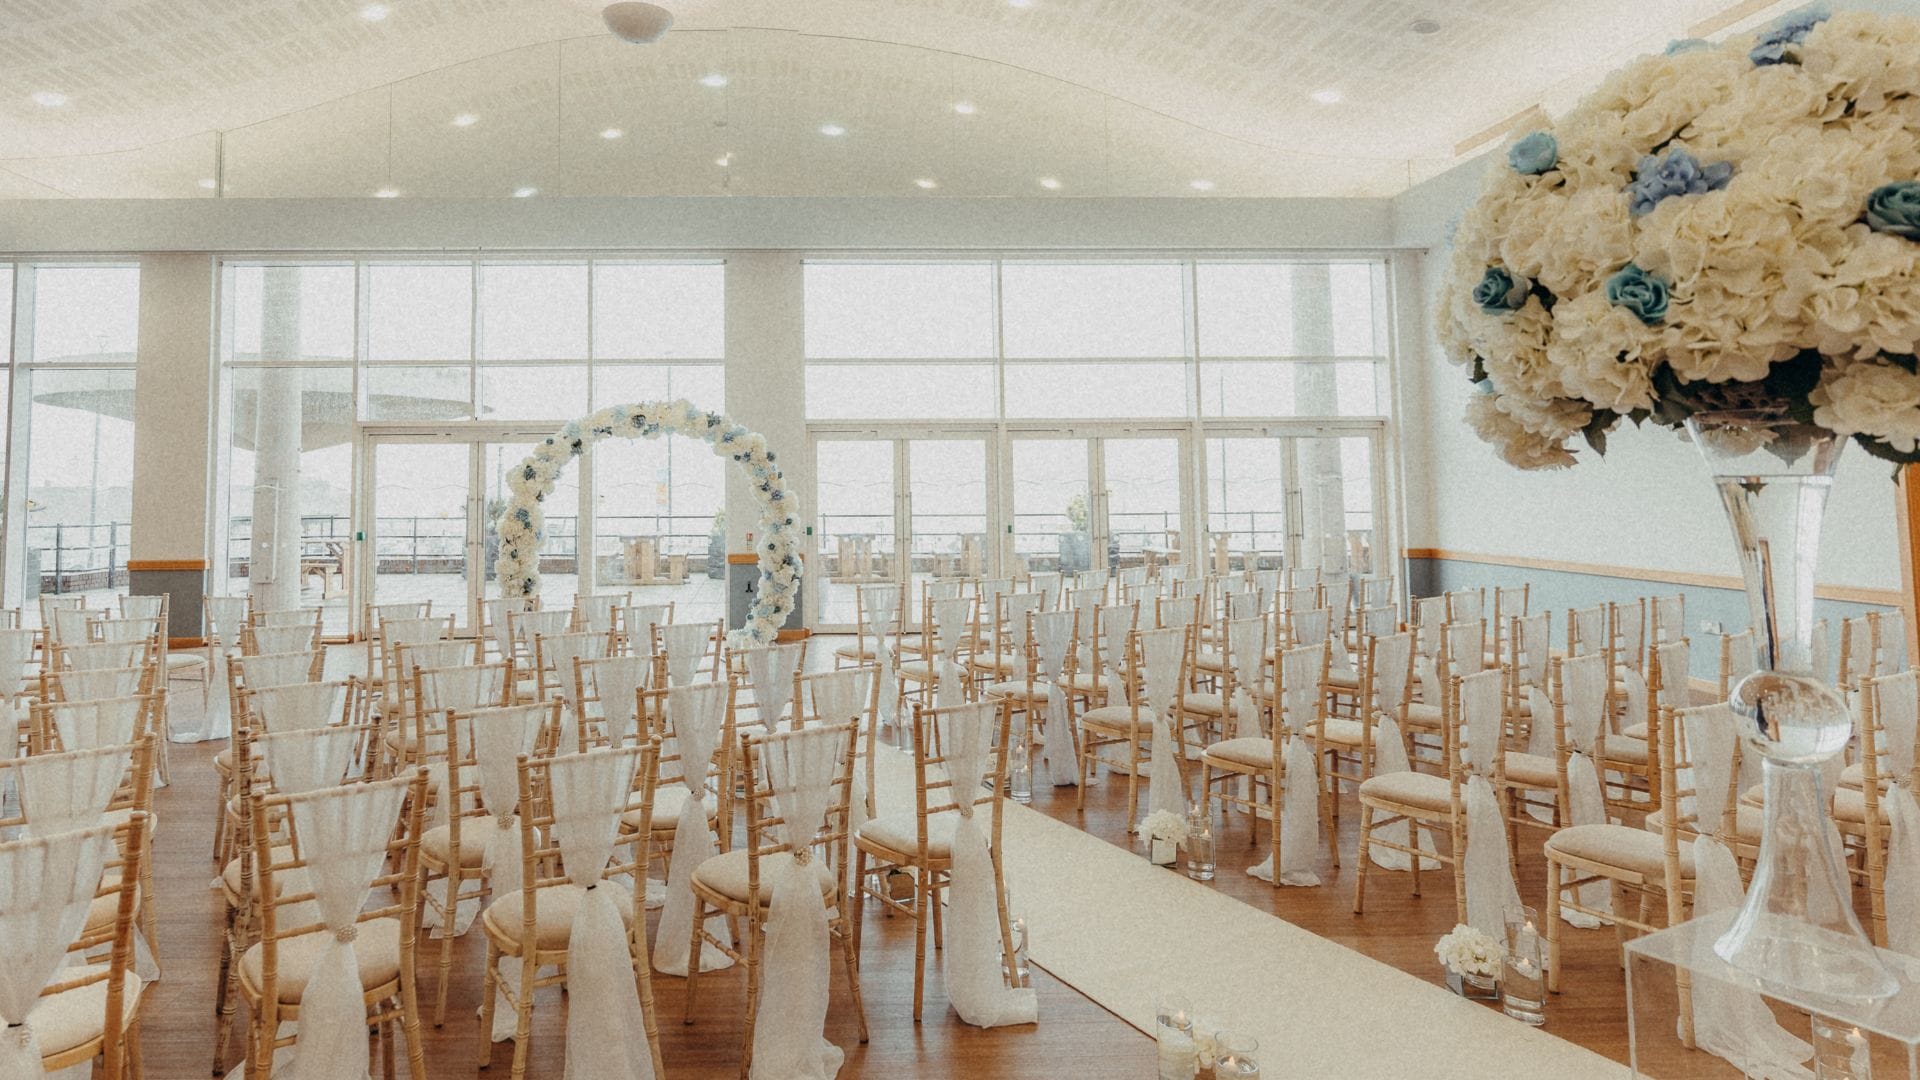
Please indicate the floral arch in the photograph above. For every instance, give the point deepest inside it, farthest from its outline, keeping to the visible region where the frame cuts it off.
(522, 524)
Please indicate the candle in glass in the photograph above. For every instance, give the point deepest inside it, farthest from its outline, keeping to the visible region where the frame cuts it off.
(1233, 1057)
(1178, 1054)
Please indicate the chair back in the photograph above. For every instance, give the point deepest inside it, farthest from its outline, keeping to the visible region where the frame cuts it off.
(780, 811)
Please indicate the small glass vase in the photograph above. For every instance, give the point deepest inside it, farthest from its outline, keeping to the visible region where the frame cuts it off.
(1473, 987)
(1797, 929)
(1233, 1056)
(1199, 845)
(1177, 1053)
(1523, 987)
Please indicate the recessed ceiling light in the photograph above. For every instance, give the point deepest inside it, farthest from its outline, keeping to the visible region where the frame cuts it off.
(465, 119)
(1424, 26)
(1201, 185)
(1020, 3)
(715, 80)
(49, 98)
(1050, 183)
(611, 133)
(724, 160)
(1328, 96)
(375, 12)
(927, 183)
(209, 183)
(386, 193)
(832, 129)
(525, 192)
(964, 108)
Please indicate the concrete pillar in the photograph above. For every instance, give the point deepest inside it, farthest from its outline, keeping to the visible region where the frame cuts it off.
(766, 392)
(1315, 390)
(173, 434)
(274, 571)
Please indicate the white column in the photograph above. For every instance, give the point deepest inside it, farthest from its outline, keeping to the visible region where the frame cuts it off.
(1316, 394)
(273, 575)
(173, 433)
(766, 383)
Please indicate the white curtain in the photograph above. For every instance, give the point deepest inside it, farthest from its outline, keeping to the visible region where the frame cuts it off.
(697, 713)
(1053, 632)
(771, 669)
(307, 760)
(63, 792)
(882, 602)
(606, 1035)
(1586, 682)
(1161, 651)
(1899, 712)
(685, 644)
(46, 886)
(1490, 887)
(787, 1040)
(88, 725)
(973, 954)
(1299, 809)
(617, 680)
(343, 835)
(500, 736)
(1729, 1021)
(299, 706)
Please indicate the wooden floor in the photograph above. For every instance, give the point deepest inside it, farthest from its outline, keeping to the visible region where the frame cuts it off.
(1075, 1037)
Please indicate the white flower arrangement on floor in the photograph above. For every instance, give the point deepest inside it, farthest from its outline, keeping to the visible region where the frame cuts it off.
(522, 523)
(1469, 952)
(1720, 227)
(1166, 825)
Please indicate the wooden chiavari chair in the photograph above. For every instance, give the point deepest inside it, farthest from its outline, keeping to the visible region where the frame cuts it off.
(1425, 802)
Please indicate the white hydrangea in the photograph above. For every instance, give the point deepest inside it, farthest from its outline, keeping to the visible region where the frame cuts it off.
(1494, 420)
(1870, 397)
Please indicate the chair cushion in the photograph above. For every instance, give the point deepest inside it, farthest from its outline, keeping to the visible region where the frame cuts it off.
(1850, 805)
(475, 834)
(1246, 753)
(1532, 770)
(1626, 750)
(1204, 704)
(1116, 718)
(75, 1017)
(1339, 681)
(102, 910)
(668, 801)
(1635, 731)
(180, 661)
(293, 878)
(1634, 850)
(916, 670)
(1086, 683)
(1751, 821)
(377, 948)
(995, 662)
(1421, 714)
(1343, 731)
(726, 874)
(1417, 791)
(1017, 690)
(896, 832)
(855, 652)
(553, 913)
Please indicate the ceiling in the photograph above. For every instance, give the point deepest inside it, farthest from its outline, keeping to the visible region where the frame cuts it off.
(1194, 98)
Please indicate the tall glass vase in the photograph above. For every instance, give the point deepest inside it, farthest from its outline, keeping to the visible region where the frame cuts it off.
(1797, 930)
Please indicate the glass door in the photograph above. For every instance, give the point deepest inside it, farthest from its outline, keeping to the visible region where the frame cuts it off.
(859, 529)
(659, 524)
(1052, 527)
(1139, 508)
(1296, 499)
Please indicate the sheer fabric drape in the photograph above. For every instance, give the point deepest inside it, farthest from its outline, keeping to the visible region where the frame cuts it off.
(1899, 705)
(697, 713)
(1160, 652)
(1299, 824)
(46, 886)
(1586, 682)
(975, 983)
(1490, 885)
(63, 792)
(685, 644)
(771, 669)
(1056, 766)
(788, 1043)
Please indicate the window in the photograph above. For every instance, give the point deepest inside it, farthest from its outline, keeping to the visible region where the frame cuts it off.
(1063, 312)
(1292, 339)
(899, 311)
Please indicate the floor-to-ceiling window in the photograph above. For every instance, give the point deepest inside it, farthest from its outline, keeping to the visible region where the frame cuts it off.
(73, 330)
(1127, 411)
(374, 407)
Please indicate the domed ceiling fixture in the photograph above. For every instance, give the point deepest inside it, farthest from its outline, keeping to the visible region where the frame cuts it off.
(638, 23)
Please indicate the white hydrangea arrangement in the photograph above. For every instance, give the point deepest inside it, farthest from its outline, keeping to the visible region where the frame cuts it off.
(1466, 951)
(1165, 825)
(1720, 227)
(521, 524)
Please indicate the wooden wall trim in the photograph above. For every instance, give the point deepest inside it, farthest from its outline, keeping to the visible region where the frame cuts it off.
(1847, 593)
(166, 564)
(1907, 514)
(186, 642)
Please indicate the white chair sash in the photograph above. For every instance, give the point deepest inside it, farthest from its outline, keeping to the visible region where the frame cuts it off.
(89, 725)
(103, 656)
(596, 612)
(343, 836)
(67, 791)
(1312, 626)
(1587, 680)
(606, 1036)
(528, 625)
(142, 606)
(1300, 689)
(1670, 612)
(284, 639)
(617, 681)
(128, 630)
(1047, 584)
(697, 713)
(561, 650)
(276, 669)
(1430, 615)
(1536, 649)
(1247, 653)
(771, 669)
(1467, 649)
(685, 644)
(1160, 654)
(788, 1043)
(500, 736)
(1392, 656)
(1676, 678)
(975, 983)
(1589, 630)
(1116, 623)
(1490, 886)
(1467, 606)
(1729, 1021)
(1053, 632)
(307, 759)
(16, 651)
(1898, 697)
(429, 655)
(302, 616)
(462, 689)
(46, 885)
(882, 603)
(298, 706)
(840, 696)
(1711, 731)
(72, 626)
(1633, 637)
(639, 621)
(1019, 606)
(497, 610)
(1892, 657)
(949, 615)
(225, 616)
(1389, 757)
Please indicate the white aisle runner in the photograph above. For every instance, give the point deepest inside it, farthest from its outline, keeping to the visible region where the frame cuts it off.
(1309, 1001)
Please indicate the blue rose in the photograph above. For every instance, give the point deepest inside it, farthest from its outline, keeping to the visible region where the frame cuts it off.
(1642, 293)
(1679, 173)
(1534, 154)
(1500, 292)
(1778, 44)
(1687, 45)
(1895, 208)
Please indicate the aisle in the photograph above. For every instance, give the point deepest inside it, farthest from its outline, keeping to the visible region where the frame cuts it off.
(1107, 923)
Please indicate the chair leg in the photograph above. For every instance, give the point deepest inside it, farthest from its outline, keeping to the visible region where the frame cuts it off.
(850, 951)
(446, 949)
(693, 957)
(922, 897)
(754, 938)
(1553, 924)
(858, 900)
(1413, 861)
(523, 1010)
(228, 990)
(1361, 860)
(489, 994)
